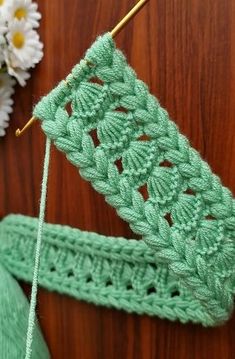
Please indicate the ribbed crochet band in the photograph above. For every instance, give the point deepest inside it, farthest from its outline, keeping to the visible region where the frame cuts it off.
(110, 271)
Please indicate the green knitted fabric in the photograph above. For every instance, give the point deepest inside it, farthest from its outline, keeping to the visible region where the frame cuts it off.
(186, 216)
(14, 309)
(109, 271)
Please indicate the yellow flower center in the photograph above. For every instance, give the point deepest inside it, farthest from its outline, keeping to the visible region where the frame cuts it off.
(18, 39)
(1, 2)
(20, 13)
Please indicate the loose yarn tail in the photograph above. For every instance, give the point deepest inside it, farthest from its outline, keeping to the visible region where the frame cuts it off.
(33, 299)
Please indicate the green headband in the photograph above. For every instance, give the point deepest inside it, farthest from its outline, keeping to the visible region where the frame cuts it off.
(110, 271)
(126, 145)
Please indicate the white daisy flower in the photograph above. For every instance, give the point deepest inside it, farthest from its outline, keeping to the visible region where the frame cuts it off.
(6, 102)
(4, 8)
(24, 44)
(19, 74)
(2, 41)
(26, 10)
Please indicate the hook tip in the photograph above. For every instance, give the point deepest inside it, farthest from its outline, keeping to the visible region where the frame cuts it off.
(18, 132)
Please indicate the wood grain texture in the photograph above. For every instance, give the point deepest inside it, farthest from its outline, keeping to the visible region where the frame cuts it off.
(185, 51)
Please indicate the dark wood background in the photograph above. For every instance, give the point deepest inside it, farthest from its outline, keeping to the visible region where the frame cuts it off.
(185, 51)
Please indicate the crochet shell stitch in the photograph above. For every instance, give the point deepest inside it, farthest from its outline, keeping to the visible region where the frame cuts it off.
(188, 217)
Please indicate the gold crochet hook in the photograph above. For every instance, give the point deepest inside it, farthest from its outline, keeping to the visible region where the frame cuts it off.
(114, 32)
(19, 132)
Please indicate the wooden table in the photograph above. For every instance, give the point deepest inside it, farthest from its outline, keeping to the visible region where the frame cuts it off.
(185, 51)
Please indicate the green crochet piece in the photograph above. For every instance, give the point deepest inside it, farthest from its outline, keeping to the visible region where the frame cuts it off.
(109, 126)
(188, 218)
(14, 309)
(111, 271)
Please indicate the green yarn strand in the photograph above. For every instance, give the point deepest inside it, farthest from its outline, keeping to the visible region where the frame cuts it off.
(33, 299)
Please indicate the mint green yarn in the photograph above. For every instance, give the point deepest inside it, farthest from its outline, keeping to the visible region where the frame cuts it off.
(14, 309)
(108, 271)
(34, 290)
(188, 217)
